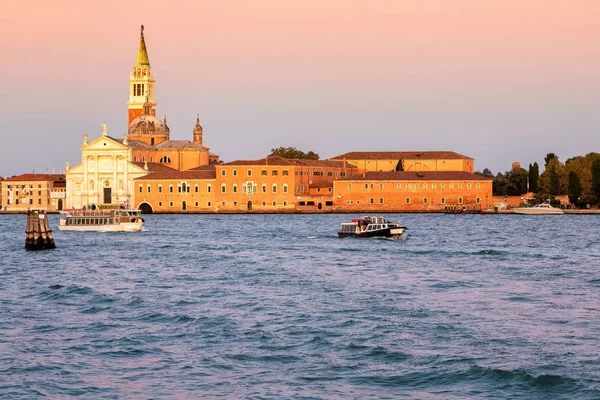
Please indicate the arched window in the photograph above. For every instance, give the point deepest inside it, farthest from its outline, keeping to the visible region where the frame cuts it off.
(165, 160)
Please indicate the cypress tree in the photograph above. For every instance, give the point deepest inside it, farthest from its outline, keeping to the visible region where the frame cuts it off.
(596, 177)
(554, 182)
(534, 175)
(574, 187)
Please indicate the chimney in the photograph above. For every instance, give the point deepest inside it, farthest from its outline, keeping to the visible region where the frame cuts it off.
(266, 160)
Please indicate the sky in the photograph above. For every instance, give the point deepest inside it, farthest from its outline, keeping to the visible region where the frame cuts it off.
(499, 81)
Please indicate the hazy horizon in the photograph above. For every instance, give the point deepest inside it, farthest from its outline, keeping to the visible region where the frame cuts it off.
(497, 82)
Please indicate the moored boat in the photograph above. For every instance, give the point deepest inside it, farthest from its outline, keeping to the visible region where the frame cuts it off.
(366, 227)
(102, 219)
(538, 209)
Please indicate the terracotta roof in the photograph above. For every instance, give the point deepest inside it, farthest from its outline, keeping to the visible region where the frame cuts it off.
(174, 174)
(153, 166)
(37, 177)
(280, 161)
(405, 155)
(178, 144)
(417, 176)
(203, 168)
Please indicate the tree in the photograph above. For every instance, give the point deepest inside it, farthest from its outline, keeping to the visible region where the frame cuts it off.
(596, 178)
(549, 157)
(400, 165)
(534, 176)
(517, 182)
(500, 185)
(292, 152)
(486, 173)
(554, 182)
(574, 188)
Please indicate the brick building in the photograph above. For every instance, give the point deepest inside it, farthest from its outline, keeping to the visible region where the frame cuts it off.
(39, 191)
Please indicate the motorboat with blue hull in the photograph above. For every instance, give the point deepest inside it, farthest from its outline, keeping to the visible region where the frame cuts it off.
(367, 227)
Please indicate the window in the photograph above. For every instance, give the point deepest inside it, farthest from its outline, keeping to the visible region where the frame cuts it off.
(478, 200)
(160, 203)
(171, 204)
(274, 172)
(235, 203)
(329, 203)
(223, 173)
(178, 189)
(399, 186)
(451, 186)
(159, 188)
(408, 200)
(477, 186)
(285, 172)
(164, 160)
(208, 188)
(223, 188)
(443, 186)
(366, 185)
(249, 172)
(235, 187)
(433, 186)
(443, 200)
(196, 189)
(235, 172)
(460, 185)
(372, 200)
(264, 203)
(425, 200)
(223, 203)
(285, 188)
(263, 172)
(350, 186)
(196, 204)
(381, 200)
(264, 188)
(381, 186)
(372, 186)
(208, 203)
(170, 188)
(148, 188)
(460, 200)
(425, 186)
(318, 189)
(274, 188)
(285, 203)
(141, 190)
(468, 186)
(416, 186)
(274, 204)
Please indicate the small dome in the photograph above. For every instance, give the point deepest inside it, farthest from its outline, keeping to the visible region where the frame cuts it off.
(147, 125)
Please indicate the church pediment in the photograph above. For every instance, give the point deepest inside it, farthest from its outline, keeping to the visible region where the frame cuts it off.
(104, 143)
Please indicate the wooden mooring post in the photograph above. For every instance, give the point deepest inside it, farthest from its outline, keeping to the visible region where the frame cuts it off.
(38, 235)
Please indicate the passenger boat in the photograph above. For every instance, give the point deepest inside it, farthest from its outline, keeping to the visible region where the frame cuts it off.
(538, 209)
(366, 227)
(101, 219)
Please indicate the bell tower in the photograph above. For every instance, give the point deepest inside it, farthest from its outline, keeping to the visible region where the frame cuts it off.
(198, 132)
(141, 84)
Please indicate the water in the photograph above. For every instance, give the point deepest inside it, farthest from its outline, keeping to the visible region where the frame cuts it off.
(272, 307)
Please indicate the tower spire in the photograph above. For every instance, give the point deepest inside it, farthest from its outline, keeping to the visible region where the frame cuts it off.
(142, 55)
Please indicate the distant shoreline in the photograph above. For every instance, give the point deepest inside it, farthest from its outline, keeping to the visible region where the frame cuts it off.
(369, 212)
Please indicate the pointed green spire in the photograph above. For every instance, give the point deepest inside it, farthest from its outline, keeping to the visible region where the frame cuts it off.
(142, 55)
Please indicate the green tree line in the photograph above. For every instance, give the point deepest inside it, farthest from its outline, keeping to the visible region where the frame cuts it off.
(578, 177)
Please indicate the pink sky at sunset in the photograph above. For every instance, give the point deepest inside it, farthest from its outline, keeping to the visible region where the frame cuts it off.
(497, 81)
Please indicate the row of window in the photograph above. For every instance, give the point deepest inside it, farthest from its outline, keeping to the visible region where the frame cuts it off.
(39, 201)
(247, 188)
(415, 186)
(285, 173)
(223, 204)
(409, 200)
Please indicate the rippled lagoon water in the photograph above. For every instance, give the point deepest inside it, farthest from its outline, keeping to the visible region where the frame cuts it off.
(271, 307)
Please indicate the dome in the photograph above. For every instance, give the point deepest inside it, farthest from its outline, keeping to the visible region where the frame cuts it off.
(148, 125)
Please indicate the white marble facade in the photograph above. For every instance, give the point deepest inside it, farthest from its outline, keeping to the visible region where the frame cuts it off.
(105, 174)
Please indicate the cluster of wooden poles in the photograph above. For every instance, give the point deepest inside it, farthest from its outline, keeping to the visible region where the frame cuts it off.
(38, 235)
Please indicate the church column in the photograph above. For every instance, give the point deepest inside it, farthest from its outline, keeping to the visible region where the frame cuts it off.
(97, 183)
(86, 184)
(115, 185)
(126, 181)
